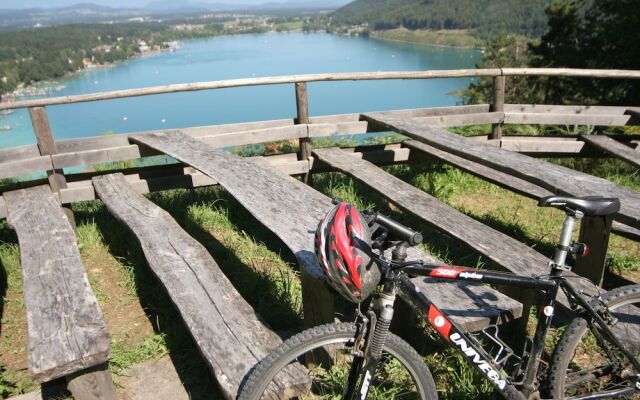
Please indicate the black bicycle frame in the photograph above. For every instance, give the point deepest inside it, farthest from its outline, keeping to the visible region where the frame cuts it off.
(474, 353)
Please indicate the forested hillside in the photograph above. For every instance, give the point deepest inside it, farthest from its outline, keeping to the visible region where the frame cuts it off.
(580, 34)
(486, 17)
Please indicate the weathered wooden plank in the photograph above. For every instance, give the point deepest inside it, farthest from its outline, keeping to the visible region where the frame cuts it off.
(574, 72)
(118, 140)
(471, 306)
(506, 181)
(463, 119)
(594, 232)
(110, 154)
(19, 153)
(534, 146)
(3, 208)
(240, 177)
(497, 105)
(549, 176)
(386, 156)
(433, 111)
(11, 169)
(65, 326)
(625, 231)
(334, 119)
(339, 128)
(188, 178)
(302, 109)
(270, 80)
(91, 143)
(255, 136)
(501, 179)
(559, 109)
(229, 333)
(275, 200)
(494, 245)
(92, 384)
(210, 130)
(567, 119)
(613, 147)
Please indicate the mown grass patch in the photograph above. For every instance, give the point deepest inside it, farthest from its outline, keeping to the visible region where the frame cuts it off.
(448, 38)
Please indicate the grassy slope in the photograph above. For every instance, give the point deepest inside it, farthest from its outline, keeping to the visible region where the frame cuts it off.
(450, 38)
(144, 324)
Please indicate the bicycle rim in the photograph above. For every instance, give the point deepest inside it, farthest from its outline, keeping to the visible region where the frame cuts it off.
(327, 359)
(597, 366)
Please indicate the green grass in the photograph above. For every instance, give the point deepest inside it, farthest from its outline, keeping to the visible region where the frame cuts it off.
(450, 38)
(265, 274)
(289, 26)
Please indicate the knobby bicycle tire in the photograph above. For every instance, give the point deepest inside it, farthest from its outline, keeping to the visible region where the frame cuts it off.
(579, 365)
(312, 341)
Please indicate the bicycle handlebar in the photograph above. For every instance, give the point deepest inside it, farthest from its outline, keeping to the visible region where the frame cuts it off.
(399, 231)
(395, 228)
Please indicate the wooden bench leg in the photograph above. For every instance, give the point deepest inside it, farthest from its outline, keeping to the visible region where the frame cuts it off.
(92, 384)
(317, 301)
(594, 232)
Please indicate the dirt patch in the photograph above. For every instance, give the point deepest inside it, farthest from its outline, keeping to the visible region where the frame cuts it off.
(159, 380)
(126, 320)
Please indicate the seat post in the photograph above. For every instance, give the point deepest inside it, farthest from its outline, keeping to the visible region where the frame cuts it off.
(562, 250)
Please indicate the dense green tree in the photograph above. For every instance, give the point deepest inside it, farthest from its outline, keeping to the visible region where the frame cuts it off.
(591, 34)
(506, 50)
(487, 18)
(602, 34)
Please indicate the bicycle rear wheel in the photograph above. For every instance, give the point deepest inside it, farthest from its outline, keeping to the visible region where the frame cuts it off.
(326, 353)
(583, 364)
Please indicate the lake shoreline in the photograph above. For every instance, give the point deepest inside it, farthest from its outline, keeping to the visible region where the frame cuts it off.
(236, 57)
(45, 87)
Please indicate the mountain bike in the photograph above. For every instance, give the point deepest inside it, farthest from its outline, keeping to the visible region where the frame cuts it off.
(596, 357)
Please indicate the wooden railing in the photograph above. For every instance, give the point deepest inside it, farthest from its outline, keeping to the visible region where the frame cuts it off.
(51, 156)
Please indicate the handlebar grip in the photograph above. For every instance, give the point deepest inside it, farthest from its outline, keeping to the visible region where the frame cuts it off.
(399, 231)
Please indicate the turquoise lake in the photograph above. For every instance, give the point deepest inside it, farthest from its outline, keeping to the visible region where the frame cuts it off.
(241, 57)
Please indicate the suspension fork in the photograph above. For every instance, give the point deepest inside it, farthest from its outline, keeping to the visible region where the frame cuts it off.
(364, 367)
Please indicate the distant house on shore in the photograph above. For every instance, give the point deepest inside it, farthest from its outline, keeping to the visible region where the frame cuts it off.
(142, 46)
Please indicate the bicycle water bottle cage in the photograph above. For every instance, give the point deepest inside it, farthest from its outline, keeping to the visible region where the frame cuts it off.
(591, 206)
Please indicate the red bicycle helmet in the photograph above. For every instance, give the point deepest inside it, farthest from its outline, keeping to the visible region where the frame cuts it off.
(343, 246)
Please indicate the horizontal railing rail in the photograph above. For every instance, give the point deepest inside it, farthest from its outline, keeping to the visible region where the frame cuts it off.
(51, 156)
(327, 77)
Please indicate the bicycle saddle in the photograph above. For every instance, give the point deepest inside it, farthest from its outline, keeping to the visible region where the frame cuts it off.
(591, 206)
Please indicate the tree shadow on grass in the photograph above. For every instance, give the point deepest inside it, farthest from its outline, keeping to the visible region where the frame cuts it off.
(3, 291)
(6, 236)
(165, 319)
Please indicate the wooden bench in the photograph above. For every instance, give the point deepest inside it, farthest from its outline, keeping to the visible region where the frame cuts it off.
(505, 251)
(554, 178)
(67, 335)
(292, 210)
(229, 334)
(613, 147)
(502, 179)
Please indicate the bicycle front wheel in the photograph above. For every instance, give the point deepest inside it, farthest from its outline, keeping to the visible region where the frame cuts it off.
(326, 353)
(583, 362)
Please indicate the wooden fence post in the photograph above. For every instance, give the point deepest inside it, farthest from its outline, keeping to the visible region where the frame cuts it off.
(302, 106)
(498, 104)
(594, 232)
(47, 147)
